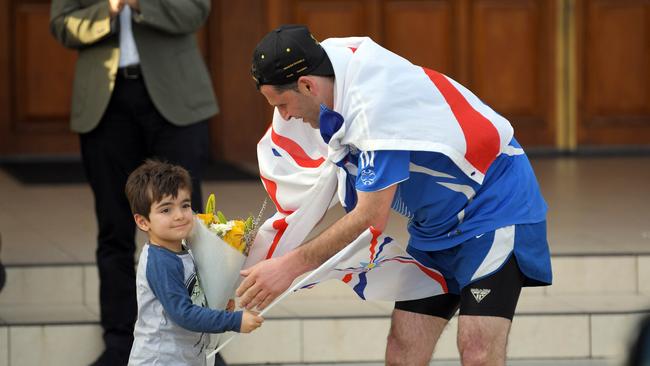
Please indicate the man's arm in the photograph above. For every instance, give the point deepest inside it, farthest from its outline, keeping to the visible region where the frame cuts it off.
(268, 279)
(171, 16)
(77, 27)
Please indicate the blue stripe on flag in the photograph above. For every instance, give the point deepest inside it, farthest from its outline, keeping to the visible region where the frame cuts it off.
(381, 246)
(360, 287)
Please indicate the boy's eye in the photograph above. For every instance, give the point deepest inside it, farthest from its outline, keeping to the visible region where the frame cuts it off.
(165, 210)
(187, 205)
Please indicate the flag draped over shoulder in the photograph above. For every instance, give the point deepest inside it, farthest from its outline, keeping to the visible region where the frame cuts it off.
(386, 103)
(302, 184)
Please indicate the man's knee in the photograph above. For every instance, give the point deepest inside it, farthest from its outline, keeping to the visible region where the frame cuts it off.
(394, 350)
(473, 353)
(482, 340)
(412, 337)
(399, 353)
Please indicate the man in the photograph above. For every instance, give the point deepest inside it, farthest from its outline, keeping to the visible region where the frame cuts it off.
(141, 90)
(422, 144)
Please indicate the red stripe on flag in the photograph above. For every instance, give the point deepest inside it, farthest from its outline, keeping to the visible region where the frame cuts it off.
(481, 137)
(295, 151)
(373, 242)
(279, 225)
(434, 275)
(272, 190)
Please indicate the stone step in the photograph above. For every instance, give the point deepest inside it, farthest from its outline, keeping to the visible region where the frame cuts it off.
(588, 275)
(48, 313)
(356, 332)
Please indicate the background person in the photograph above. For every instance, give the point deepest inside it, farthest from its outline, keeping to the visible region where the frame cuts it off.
(141, 89)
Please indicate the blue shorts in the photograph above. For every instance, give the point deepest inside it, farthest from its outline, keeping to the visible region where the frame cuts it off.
(484, 254)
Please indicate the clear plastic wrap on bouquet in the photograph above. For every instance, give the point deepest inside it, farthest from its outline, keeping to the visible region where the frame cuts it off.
(217, 264)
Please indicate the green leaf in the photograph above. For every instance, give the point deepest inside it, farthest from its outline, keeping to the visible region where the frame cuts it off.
(210, 205)
(221, 217)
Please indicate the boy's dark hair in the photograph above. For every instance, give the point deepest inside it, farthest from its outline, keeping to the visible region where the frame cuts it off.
(152, 181)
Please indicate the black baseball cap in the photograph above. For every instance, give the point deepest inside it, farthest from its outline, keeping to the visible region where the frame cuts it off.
(287, 53)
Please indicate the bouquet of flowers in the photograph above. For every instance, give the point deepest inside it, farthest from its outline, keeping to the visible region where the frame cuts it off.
(220, 247)
(239, 234)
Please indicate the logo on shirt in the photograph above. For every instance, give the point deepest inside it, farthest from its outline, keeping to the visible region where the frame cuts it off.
(367, 159)
(367, 163)
(479, 293)
(367, 177)
(195, 291)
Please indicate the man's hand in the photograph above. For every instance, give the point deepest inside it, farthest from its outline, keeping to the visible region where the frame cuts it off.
(265, 281)
(115, 7)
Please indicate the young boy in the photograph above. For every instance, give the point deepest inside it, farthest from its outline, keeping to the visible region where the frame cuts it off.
(172, 318)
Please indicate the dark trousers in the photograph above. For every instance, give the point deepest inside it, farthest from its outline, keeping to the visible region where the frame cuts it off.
(130, 131)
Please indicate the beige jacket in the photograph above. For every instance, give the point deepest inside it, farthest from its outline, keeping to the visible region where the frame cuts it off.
(174, 72)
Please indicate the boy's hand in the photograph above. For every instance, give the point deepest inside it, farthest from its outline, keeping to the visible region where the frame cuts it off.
(231, 305)
(250, 321)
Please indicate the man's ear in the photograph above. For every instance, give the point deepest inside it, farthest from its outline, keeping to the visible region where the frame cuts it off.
(307, 84)
(142, 222)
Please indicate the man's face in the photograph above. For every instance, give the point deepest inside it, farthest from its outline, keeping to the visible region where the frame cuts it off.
(294, 104)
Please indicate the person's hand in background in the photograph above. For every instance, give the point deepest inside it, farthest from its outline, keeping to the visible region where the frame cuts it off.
(115, 7)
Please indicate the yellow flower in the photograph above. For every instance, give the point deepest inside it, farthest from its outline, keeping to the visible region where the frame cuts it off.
(206, 218)
(235, 237)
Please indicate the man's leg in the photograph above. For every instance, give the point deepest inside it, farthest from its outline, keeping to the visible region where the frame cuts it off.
(412, 338)
(187, 146)
(415, 328)
(109, 153)
(482, 340)
(486, 310)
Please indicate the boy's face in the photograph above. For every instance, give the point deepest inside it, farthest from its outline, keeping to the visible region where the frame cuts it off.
(170, 220)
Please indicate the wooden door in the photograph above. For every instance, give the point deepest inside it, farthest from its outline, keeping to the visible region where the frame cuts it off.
(35, 82)
(501, 49)
(36, 75)
(613, 72)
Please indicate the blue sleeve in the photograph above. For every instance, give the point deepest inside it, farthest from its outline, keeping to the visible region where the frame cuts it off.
(381, 169)
(165, 275)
